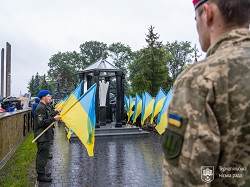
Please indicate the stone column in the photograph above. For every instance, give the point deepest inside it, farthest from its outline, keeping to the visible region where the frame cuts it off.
(8, 68)
(96, 75)
(123, 92)
(89, 79)
(118, 98)
(81, 77)
(108, 109)
(2, 72)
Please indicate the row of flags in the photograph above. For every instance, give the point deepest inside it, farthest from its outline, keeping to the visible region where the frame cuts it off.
(78, 114)
(147, 105)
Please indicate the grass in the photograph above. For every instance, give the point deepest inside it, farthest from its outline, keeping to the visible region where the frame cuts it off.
(20, 171)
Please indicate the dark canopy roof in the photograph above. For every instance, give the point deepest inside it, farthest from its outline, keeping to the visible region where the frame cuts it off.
(105, 68)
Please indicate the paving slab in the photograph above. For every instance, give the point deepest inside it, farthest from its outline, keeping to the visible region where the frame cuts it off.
(117, 162)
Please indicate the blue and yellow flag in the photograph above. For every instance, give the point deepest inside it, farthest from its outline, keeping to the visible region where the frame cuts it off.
(174, 120)
(162, 119)
(58, 103)
(62, 102)
(159, 100)
(81, 118)
(138, 107)
(126, 101)
(74, 96)
(147, 106)
(70, 132)
(131, 104)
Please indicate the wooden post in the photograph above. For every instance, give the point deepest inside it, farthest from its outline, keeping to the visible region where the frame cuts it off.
(43, 132)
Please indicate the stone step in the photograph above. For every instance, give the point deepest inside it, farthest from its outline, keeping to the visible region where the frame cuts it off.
(119, 132)
(122, 135)
(118, 135)
(116, 130)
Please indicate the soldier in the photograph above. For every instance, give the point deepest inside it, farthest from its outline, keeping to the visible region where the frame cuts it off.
(209, 116)
(52, 113)
(42, 120)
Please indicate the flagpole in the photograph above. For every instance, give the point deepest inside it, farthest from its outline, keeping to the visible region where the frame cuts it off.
(43, 132)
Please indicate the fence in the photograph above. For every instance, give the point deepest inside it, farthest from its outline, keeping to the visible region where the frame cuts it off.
(14, 126)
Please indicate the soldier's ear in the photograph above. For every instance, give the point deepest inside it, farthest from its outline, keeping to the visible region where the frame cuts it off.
(209, 10)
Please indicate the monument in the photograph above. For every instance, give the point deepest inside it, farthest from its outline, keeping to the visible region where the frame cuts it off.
(102, 71)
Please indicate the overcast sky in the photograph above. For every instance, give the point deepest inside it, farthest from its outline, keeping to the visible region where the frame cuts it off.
(37, 29)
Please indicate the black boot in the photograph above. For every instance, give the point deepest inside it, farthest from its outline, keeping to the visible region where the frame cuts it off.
(43, 178)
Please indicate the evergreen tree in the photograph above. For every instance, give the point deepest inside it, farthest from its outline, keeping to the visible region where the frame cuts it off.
(31, 87)
(37, 82)
(45, 85)
(152, 70)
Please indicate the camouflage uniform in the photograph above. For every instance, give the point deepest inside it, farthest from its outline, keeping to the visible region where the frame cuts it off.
(42, 120)
(212, 100)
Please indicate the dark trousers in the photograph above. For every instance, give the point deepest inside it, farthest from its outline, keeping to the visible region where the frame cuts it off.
(42, 156)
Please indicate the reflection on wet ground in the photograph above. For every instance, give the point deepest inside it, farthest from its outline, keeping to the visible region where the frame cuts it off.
(133, 162)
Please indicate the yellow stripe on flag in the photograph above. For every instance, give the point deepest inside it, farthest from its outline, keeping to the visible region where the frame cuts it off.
(80, 117)
(162, 124)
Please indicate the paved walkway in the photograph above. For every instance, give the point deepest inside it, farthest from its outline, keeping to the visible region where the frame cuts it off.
(122, 162)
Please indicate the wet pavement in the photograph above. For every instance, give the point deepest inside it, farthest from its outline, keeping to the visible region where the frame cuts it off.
(121, 162)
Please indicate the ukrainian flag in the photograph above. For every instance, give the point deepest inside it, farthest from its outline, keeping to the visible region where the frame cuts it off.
(81, 118)
(174, 120)
(126, 101)
(62, 103)
(159, 100)
(147, 106)
(58, 103)
(138, 106)
(74, 96)
(70, 132)
(162, 119)
(131, 104)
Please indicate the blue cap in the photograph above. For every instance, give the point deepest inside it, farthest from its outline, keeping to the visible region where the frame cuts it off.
(43, 93)
(37, 100)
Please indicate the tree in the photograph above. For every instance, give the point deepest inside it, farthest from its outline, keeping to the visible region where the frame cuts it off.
(153, 72)
(121, 56)
(179, 56)
(63, 71)
(37, 82)
(135, 75)
(31, 87)
(44, 84)
(93, 51)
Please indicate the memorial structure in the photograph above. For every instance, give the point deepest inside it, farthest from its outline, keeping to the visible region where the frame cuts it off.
(100, 73)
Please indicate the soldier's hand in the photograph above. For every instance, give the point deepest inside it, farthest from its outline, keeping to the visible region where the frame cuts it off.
(59, 110)
(57, 118)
